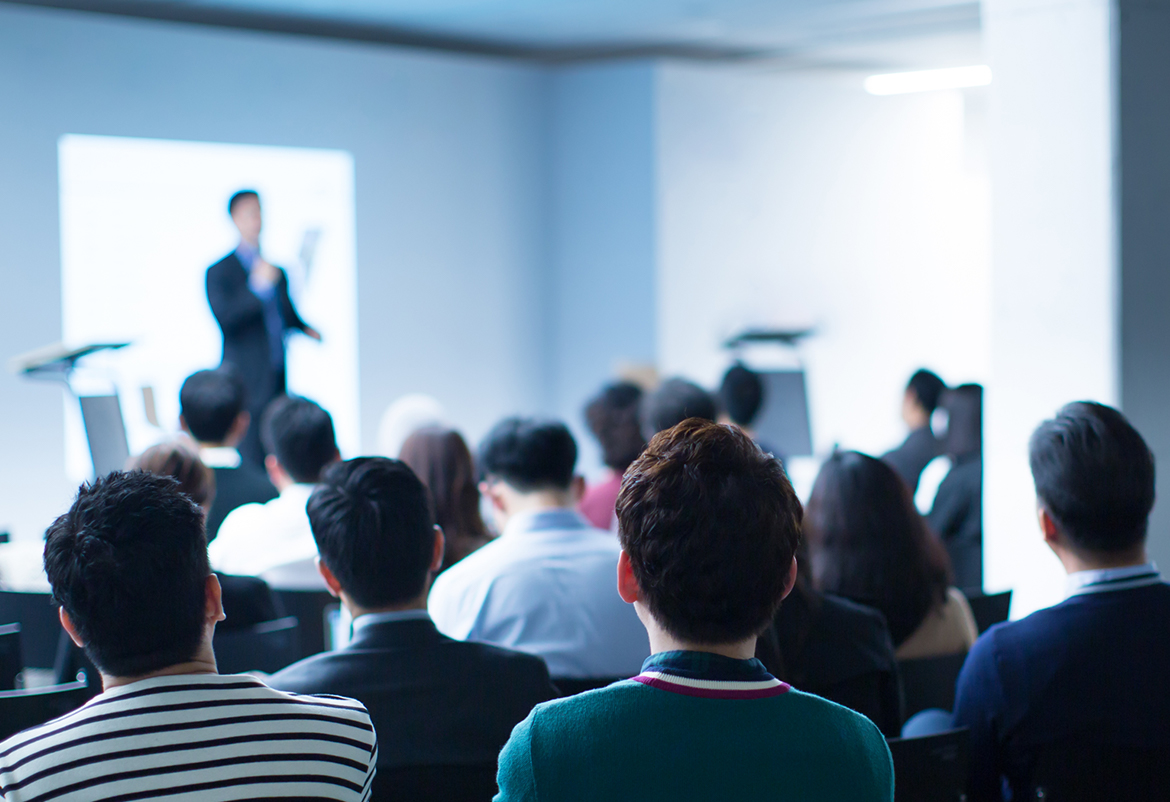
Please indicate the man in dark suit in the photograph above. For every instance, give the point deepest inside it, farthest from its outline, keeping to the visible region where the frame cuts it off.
(1078, 684)
(212, 411)
(249, 298)
(921, 446)
(435, 702)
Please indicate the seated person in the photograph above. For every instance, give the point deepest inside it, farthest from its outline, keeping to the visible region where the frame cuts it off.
(869, 544)
(213, 410)
(257, 537)
(741, 397)
(1092, 670)
(612, 416)
(709, 529)
(434, 701)
(672, 402)
(957, 513)
(920, 446)
(545, 586)
(128, 565)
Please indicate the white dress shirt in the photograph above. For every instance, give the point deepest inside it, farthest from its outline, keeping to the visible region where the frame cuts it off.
(1104, 580)
(256, 537)
(546, 586)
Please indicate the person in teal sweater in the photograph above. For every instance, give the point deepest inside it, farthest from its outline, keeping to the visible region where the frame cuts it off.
(709, 526)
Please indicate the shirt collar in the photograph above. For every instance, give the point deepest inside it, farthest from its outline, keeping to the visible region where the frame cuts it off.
(246, 254)
(219, 457)
(298, 491)
(1104, 580)
(709, 675)
(370, 619)
(539, 520)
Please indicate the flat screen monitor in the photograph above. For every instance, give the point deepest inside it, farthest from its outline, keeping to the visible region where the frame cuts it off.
(106, 433)
(783, 423)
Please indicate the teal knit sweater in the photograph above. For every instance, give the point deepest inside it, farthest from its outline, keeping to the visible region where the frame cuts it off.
(695, 726)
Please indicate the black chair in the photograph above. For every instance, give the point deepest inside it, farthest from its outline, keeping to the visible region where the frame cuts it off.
(20, 710)
(11, 661)
(39, 625)
(934, 768)
(267, 647)
(989, 610)
(1082, 771)
(572, 687)
(73, 665)
(930, 682)
(476, 783)
(309, 608)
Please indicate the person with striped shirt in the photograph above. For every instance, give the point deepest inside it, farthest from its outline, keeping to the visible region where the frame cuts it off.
(128, 566)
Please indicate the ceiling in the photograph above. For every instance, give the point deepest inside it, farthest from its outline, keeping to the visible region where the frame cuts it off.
(563, 30)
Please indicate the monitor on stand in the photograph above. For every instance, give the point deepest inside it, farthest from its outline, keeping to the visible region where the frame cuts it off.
(106, 432)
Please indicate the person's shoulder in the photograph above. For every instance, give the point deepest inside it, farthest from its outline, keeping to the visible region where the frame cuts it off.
(227, 263)
(310, 676)
(496, 658)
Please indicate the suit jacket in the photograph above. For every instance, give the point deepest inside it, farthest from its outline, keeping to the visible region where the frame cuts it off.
(957, 518)
(247, 601)
(433, 700)
(912, 457)
(235, 487)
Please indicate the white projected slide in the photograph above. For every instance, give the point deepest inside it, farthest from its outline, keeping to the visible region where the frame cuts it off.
(143, 219)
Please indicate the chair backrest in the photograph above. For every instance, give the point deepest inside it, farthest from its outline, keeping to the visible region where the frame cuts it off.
(308, 608)
(475, 783)
(39, 625)
(934, 768)
(1081, 771)
(11, 661)
(989, 610)
(268, 646)
(20, 710)
(572, 687)
(929, 682)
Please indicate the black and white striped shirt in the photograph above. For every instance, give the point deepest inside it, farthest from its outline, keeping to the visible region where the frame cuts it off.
(195, 737)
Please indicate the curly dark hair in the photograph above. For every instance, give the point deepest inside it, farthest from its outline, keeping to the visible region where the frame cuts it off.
(710, 523)
(612, 416)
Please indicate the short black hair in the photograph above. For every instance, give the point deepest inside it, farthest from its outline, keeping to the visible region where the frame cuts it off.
(927, 388)
(529, 454)
(128, 562)
(241, 195)
(711, 524)
(210, 401)
(300, 434)
(674, 401)
(1095, 475)
(371, 519)
(742, 394)
(612, 416)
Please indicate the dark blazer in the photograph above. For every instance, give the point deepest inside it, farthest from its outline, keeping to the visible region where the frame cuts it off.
(912, 457)
(1091, 670)
(247, 601)
(957, 518)
(433, 700)
(235, 487)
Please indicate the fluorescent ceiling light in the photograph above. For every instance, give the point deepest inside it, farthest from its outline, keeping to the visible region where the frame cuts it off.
(899, 83)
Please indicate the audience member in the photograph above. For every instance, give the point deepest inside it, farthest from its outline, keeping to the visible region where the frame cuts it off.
(213, 410)
(674, 401)
(957, 514)
(254, 538)
(869, 544)
(433, 700)
(709, 526)
(612, 416)
(1089, 674)
(441, 459)
(546, 585)
(128, 566)
(920, 446)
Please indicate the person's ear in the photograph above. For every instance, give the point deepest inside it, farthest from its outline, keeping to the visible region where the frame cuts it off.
(213, 601)
(183, 425)
(275, 473)
(627, 583)
(790, 580)
(67, 625)
(239, 427)
(330, 580)
(577, 489)
(1048, 527)
(439, 550)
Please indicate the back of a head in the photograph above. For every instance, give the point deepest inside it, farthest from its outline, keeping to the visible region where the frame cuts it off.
(176, 460)
(128, 562)
(612, 416)
(711, 524)
(868, 543)
(372, 523)
(964, 407)
(674, 401)
(1095, 475)
(927, 388)
(300, 434)
(529, 454)
(442, 460)
(210, 401)
(742, 394)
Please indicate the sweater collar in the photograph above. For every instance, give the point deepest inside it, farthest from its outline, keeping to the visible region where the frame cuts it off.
(710, 676)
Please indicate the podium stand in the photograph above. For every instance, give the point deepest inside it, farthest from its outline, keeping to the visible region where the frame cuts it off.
(105, 430)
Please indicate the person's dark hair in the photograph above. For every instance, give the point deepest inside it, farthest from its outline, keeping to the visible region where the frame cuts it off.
(710, 523)
(178, 461)
(128, 562)
(529, 454)
(1095, 475)
(964, 407)
(300, 434)
(372, 522)
(612, 416)
(868, 543)
(241, 195)
(210, 401)
(441, 459)
(674, 401)
(742, 394)
(927, 388)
